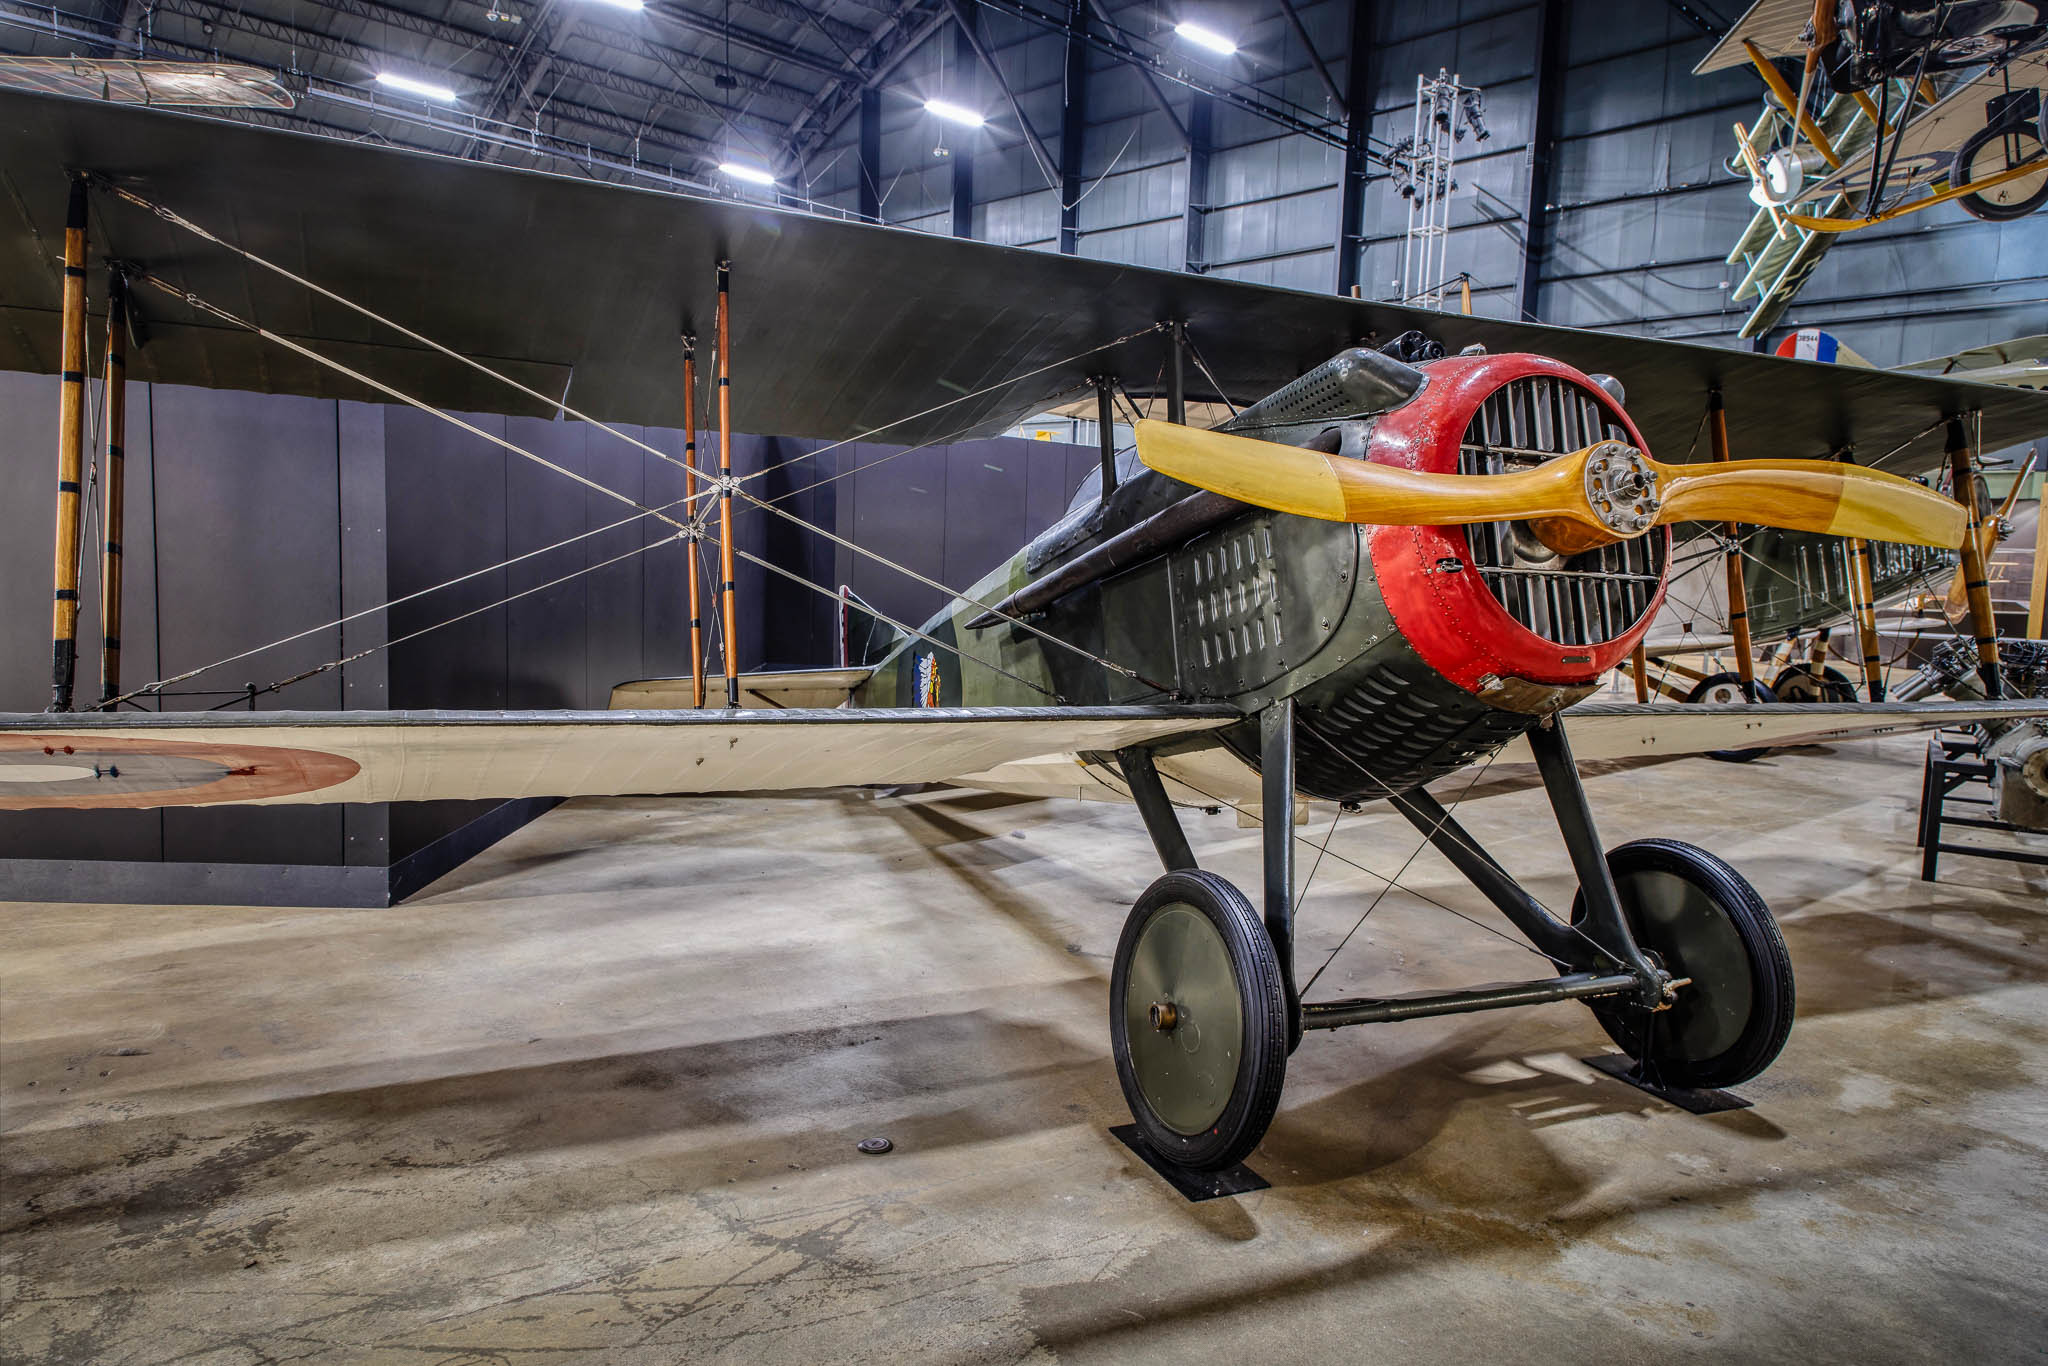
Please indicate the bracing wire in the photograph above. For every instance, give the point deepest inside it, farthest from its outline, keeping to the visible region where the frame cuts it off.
(695, 528)
(368, 650)
(1394, 881)
(560, 403)
(189, 674)
(1454, 833)
(1358, 867)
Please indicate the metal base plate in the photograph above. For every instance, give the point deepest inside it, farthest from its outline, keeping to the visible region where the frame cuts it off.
(1623, 1068)
(1194, 1185)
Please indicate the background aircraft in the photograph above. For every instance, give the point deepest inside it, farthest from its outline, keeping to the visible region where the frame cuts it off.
(1875, 109)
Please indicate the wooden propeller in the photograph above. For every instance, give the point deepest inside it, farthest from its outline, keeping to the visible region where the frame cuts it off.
(1605, 493)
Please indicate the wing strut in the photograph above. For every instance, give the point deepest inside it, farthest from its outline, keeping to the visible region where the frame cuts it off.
(728, 608)
(1962, 462)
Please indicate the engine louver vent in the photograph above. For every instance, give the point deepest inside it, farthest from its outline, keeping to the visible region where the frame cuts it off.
(1576, 600)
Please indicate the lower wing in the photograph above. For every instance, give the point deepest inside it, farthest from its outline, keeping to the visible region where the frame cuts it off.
(136, 759)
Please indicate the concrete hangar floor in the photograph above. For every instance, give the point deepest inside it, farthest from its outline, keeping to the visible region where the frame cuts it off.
(595, 1097)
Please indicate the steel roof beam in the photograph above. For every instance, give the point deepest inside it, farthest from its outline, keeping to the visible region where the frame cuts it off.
(740, 37)
(1117, 45)
(965, 18)
(1316, 58)
(1079, 32)
(829, 110)
(619, 40)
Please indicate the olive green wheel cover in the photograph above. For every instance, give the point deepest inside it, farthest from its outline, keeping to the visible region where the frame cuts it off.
(1694, 937)
(1186, 1073)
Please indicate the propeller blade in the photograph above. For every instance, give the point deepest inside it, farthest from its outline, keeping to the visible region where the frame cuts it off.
(1823, 496)
(1604, 493)
(1309, 483)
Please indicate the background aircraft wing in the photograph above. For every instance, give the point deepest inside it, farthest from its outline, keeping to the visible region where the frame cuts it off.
(1773, 25)
(136, 759)
(1622, 730)
(840, 329)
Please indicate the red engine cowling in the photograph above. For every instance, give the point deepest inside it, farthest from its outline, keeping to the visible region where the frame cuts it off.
(1488, 607)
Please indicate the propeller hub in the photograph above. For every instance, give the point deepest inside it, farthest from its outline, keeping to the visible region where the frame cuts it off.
(1621, 488)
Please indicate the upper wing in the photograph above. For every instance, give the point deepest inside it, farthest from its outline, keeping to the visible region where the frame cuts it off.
(1773, 25)
(840, 329)
(268, 758)
(1623, 730)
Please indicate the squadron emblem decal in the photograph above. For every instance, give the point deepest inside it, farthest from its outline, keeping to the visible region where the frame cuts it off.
(928, 680)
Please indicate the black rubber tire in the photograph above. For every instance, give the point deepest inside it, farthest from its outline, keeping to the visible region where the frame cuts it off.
(1261, 1061)
(1976, 205)
(1721, 680)
(1798, 683)
(1741, 996)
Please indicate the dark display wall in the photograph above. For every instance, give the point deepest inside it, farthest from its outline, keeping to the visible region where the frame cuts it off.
(254, 517)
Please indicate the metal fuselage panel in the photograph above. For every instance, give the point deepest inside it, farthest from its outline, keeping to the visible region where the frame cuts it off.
(1395, 684)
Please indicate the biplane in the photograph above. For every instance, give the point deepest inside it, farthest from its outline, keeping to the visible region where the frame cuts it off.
(1875, 109)
(1421, 545)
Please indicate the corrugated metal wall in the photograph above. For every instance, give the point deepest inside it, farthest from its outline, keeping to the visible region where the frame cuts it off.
(1640, 212)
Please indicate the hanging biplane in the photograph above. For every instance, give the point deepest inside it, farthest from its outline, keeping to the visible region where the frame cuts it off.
(1426, 543)
(1875, 109)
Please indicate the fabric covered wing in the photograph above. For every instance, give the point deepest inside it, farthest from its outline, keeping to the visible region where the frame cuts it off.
(842, 329)
(273, 758)
(1775, 26)
(1623, 730)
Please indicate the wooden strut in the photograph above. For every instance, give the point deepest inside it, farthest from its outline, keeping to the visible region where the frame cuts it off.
(114, 480)
(725, 558)
(1863, 587)
(1962, 465)
(2037, 596)
(70, 457)
(1639, 669)
(1738, 589)
(690, 502)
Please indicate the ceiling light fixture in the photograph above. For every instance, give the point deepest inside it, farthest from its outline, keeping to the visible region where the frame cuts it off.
(753, 175)
(624, 4)
(426, 90)
(1206, 37)
(954, 113)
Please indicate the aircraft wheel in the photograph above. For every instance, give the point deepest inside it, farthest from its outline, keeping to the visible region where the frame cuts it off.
(1728, 688)
(1701, 919)
(1987, 153)
(1802, 684)
(1198, 1020)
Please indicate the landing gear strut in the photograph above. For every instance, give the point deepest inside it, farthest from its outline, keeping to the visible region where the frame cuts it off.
(1673, 951)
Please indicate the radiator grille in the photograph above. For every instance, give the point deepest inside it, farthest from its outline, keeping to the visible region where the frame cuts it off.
(1575, 600)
